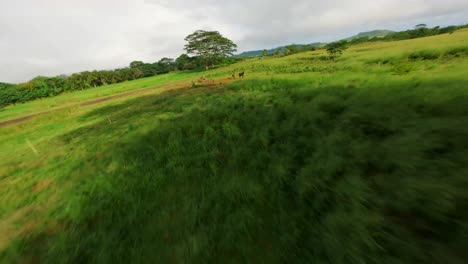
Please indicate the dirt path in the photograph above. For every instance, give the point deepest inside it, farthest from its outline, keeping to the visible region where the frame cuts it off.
(174, 85)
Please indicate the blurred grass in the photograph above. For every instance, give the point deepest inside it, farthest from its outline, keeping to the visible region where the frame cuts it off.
(307, 160)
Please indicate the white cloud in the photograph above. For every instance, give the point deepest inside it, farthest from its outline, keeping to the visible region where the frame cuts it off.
(50, 37)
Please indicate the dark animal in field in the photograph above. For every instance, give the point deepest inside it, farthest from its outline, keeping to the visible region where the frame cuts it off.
(241, 74)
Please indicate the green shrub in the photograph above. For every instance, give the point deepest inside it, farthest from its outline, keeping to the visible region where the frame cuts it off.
(8, 94)
(424, 55)
(457, 52)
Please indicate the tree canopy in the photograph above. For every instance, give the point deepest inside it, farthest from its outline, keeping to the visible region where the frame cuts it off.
(418, 26)
(210, 46)
(335, 49)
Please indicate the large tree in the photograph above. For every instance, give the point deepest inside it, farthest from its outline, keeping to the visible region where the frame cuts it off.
(210, 46)
(164, 65)
(335, 49)
(183, 62)
(136, 64)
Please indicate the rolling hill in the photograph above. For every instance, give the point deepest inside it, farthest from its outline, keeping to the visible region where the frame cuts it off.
(371, 34)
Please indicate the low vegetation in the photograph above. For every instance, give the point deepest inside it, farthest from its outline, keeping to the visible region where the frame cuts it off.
(357, 160)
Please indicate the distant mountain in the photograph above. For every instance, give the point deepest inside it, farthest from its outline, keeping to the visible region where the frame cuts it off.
(254, 53)
(371, 34)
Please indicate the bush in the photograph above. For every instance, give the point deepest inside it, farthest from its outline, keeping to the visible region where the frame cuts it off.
(457, 52)
(424, 55)
(335, 49)
(8, 94)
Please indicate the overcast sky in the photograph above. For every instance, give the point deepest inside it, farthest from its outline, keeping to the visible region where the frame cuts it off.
(52, 37)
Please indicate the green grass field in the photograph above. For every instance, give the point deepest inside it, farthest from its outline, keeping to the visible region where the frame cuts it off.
(71, 99)
(306, 160)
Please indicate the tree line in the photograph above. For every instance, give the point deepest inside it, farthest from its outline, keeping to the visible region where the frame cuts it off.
(419, 31)
(288, 50)
(41, 86)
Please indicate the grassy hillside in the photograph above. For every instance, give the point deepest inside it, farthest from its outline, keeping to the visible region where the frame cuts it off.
(368, 34)
(371, 34)
(306, 160)
(70, 99)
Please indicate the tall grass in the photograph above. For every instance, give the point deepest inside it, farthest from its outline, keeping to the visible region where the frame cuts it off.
(282, 173)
